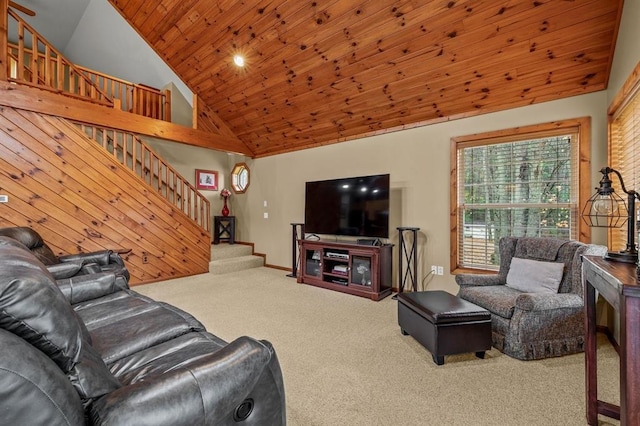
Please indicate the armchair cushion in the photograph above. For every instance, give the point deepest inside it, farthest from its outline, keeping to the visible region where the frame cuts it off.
(498, 299)
(534, 276)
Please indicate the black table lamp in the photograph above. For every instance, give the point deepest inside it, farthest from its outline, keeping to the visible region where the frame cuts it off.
(606, 209)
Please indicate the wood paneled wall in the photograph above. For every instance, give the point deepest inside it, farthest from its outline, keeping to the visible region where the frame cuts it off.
(81, 199)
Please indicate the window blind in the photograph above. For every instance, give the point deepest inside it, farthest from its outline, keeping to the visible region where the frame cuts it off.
(515, 188)
(624, 154)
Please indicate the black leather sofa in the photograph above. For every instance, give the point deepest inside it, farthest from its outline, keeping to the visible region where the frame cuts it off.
(68, 265)
(89, 350)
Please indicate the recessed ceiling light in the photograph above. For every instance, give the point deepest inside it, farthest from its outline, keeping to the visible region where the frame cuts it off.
(238, 60)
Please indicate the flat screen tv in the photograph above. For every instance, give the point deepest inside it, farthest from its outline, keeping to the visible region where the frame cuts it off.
(354, 206)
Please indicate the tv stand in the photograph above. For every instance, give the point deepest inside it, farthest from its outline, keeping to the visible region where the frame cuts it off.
(351, 268)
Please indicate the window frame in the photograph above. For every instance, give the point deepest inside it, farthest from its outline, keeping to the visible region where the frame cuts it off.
(629, 95)
(580, 126)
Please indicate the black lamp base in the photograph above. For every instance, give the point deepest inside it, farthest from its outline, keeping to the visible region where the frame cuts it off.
(622, 256)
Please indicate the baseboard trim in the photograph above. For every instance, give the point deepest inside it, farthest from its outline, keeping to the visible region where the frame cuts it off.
(605, 330)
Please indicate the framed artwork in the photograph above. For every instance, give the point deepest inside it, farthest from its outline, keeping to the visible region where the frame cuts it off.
(207, 179)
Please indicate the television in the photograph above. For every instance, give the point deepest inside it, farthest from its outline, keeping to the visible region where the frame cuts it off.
(353, 206)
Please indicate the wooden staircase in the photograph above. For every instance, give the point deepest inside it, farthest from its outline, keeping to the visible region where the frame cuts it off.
(86, 186)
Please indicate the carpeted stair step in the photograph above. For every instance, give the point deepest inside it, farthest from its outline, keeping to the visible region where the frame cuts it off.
(227, 258)
(235, 264)
(227, 251)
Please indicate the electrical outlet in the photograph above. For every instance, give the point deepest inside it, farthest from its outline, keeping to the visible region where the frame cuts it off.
(266, 215)
(4, 198)
(440, 270)
(145, 259)
(434, 269)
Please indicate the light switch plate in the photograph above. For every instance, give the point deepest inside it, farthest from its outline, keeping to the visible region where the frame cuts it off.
(266, 215)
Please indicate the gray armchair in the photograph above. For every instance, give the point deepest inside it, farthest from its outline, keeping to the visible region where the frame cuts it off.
(534, 320)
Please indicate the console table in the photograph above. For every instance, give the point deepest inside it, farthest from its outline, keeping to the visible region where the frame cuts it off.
(618, 283)
(224, 228)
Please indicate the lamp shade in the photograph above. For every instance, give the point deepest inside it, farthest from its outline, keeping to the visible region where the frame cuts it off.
(605, 211)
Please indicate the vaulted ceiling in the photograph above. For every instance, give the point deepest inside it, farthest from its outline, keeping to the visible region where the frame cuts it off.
(319, 72)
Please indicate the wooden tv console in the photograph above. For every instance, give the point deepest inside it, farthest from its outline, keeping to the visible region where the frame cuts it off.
(347, 267)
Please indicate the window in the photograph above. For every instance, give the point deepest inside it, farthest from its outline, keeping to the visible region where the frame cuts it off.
(624, 146)
(517, 182)
(240, 178)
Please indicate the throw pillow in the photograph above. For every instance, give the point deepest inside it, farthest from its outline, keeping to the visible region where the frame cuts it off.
(534, 276)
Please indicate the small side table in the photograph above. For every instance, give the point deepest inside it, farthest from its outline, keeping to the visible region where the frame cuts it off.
(224, 229)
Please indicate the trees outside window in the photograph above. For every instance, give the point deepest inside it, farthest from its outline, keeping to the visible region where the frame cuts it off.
(518, 182)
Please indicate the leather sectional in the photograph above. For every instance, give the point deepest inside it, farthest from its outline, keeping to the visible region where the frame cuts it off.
(89, 350)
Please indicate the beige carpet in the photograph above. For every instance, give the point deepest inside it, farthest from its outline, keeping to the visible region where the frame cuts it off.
(345, 362)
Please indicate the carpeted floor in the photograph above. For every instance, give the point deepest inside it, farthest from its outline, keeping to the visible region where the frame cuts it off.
(346, 363)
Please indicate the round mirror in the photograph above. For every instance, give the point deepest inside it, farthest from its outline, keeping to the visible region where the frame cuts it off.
(240, 178)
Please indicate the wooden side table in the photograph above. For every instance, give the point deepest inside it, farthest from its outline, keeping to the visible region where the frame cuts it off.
(224, 229)
(618, 283)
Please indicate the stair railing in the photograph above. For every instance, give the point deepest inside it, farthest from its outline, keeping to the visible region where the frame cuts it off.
(135, 98)
(136, 155)
(33, 61)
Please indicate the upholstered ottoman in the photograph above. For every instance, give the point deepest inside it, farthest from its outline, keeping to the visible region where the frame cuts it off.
(444, 323)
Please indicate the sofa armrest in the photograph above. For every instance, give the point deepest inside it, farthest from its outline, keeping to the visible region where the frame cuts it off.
(64, 270)
(204, 392)
(85, 287)
(101, 257)
(33, 389)
(546, 302)
(479, 279)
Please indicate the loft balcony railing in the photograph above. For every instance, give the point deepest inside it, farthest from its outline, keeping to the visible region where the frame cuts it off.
(135, 155)
(135, 98)
(34, 61)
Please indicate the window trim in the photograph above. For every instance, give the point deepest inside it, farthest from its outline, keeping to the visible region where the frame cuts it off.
(628, 93)
(581, 126)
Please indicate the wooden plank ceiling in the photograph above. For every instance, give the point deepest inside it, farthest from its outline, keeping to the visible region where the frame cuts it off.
(320, 72)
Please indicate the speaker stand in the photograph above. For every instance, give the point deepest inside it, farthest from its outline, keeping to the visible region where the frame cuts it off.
(410, 254)
(294, 247)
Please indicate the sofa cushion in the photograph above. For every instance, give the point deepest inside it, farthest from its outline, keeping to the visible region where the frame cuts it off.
(90, 376)
(32, 307)
(534, 276)
(126, 322)
(165, 357)
(33, 241)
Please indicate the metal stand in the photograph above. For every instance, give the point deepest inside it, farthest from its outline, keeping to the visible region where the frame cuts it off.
(294, 247)
(410, 254)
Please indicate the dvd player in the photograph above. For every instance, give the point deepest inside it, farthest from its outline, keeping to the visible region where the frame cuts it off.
(338, 255)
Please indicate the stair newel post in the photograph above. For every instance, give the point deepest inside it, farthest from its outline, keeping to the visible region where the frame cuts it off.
(4, 45)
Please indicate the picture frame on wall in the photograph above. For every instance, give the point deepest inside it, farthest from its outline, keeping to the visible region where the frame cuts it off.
(207, 180)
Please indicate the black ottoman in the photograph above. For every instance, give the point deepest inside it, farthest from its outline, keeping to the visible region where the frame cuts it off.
(444, 323)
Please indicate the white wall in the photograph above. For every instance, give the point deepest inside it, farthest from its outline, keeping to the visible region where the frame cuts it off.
(418, 161)
(627, 54)
(105, 42)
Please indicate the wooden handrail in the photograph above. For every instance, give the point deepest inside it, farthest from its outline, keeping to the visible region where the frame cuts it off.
(138, 157)
(33, 61)
(135, 98)
(47, 68)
